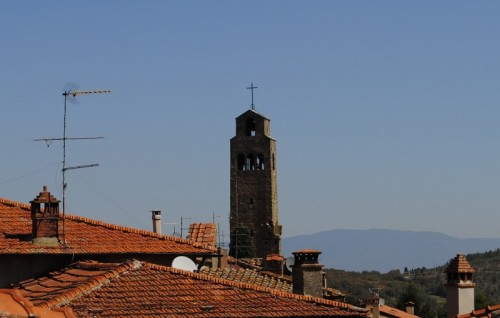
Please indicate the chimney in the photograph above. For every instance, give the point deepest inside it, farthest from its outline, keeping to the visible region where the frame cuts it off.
(459, 287)
(274, 263)
(45, 219)
(156, 216)
(307, 273)
(376, 307)
(410, 307)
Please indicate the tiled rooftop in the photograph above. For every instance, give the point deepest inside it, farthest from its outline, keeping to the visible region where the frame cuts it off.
(136, 289)
(250, 270)
(203, 233)
(87, 236)
(13, 304)
(459, 264)
(250, 276)
(488, 312)
(396, 313)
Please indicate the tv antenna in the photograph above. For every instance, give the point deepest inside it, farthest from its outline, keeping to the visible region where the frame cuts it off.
(70, 93)
(182, 225)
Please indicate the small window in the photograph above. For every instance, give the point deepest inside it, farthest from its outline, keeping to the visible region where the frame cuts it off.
(250, 126)
(250, 162)
(241, 162)
(273, 163)
(260, 162)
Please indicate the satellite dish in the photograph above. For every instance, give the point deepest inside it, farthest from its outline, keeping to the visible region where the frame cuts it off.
(289, 263)
(185, 263)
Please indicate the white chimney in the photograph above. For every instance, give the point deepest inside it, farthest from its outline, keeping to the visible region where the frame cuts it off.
(156, 217)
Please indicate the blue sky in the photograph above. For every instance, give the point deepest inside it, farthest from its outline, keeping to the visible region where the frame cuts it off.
(385, 112)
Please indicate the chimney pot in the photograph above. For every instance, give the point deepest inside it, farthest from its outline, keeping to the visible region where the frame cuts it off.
(410, 308)
(156, 217)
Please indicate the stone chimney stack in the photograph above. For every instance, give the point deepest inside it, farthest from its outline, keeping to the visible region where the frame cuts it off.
(459, 287)
(45, 218)
(307, 273)
(156, 216)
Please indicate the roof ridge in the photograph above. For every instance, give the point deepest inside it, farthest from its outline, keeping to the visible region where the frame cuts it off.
(76, 218)
(255, 287)
(122, 228)
(17, 204)
(94, 282)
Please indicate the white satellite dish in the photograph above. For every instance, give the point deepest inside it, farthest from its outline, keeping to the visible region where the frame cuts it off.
(185, 263)
(289, 261)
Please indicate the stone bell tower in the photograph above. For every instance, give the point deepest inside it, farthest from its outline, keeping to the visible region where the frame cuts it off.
(254, 227)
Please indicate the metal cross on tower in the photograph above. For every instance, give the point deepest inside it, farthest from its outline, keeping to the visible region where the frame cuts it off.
(252, 88)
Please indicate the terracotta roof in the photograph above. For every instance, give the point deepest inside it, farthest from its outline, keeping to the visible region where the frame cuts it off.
(488, 312)
(13, 304)
(459, 264)
(204, 233)
(255, 265)
(393, 312)
(87, 236)
(134, 289)
(250, 276)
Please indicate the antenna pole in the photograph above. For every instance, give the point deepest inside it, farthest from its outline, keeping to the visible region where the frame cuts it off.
(182, 226)
(65, 94)
(64, 168)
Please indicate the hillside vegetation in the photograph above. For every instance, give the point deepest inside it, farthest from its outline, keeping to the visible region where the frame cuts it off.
(424, 286)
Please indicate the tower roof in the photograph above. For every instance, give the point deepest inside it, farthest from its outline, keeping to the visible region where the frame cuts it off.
(253, 112)
(459, 264)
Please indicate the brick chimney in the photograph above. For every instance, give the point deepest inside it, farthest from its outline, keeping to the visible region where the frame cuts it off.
(45, 219)
(274, 263)
(307, 273)
(156, 217)
(459, 287)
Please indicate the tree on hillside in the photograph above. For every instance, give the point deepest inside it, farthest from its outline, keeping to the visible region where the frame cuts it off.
(425, 306)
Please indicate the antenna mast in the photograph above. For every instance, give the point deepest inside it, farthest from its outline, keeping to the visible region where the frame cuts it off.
(70, 94)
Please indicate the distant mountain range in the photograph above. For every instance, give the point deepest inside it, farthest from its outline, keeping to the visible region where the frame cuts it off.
(384, 250)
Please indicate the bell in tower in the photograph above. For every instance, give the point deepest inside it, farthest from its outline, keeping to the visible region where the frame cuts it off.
(254, 227)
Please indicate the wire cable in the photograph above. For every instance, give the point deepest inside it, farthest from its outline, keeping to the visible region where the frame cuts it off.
(110, 200)
(28, 174)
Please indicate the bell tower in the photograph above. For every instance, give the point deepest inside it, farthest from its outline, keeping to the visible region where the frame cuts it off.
(254, 227)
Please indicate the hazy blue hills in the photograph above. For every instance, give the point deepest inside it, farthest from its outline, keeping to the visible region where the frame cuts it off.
(384, 250)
